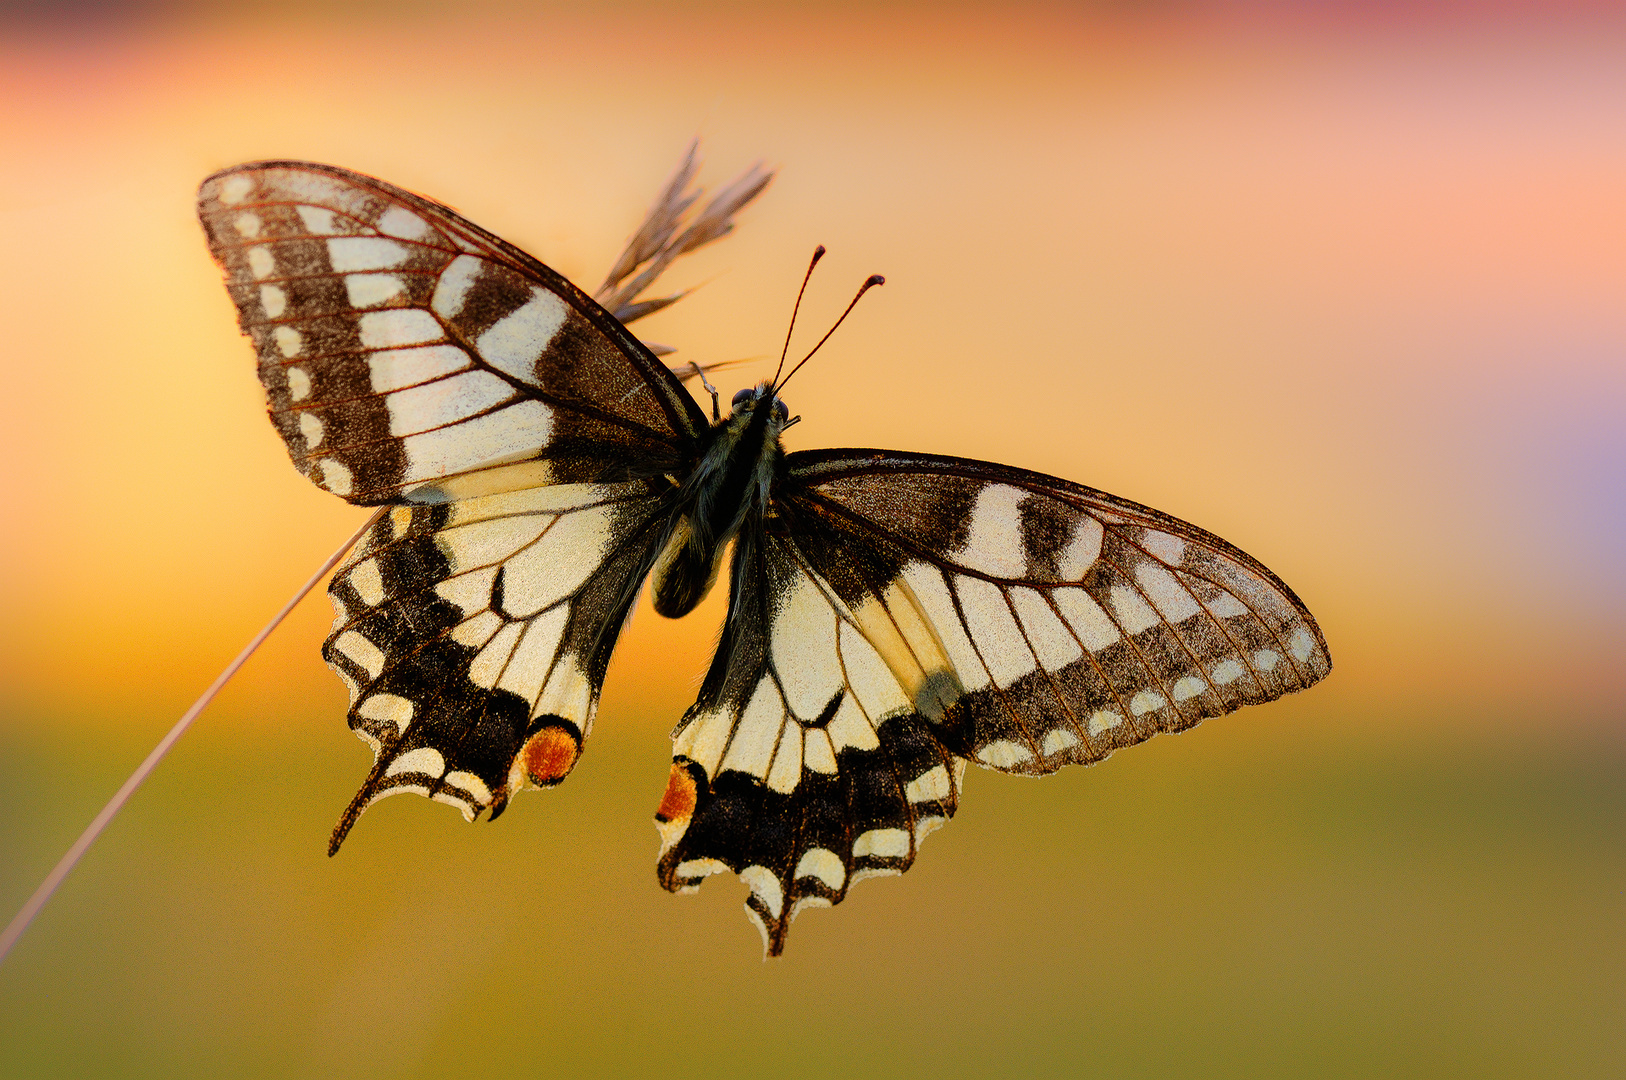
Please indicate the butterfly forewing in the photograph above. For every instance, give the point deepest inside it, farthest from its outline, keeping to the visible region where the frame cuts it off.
(402, 347)
(913, 612)
(1072, 622)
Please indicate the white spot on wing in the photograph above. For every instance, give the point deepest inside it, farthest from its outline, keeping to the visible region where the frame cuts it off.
(370, 290)
(362, 651)
(348, 254)
(1226, 606)
(1051, 641)
(247, 224)
(1083, 548)
(994, 629)
(1301, 644)
(310, 429)
(824, 864)
(299, 384)
(787, 760)
(761, 881)
(1056, 740)
(397, 326)
(929, 786)
(289, 341)
(1226, 671)
(1133, 612)
(368, 582)
(453, 287)
(471, 591)
(694, 868)
(235, 188)
(1094, 629)
(515, 342)
(261, 262)
(1170, 597)
(318, 220)
(1147, 701)
(887, 843)
(1265, 659)
(1103, 720)
(817, 753)
(849, 728)
(993, 543)
(425, 759)
(1161, 545)
(470, 783)
(1003, 754)
(333, 475)
(1188, 687)
(273, 300)
(390, 708)
(400, 368)
(401, 222)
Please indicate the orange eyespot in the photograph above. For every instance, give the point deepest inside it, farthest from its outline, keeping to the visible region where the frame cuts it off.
(678, 802)
(549, 756)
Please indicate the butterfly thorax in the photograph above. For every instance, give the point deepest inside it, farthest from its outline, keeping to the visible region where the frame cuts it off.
(739, 462)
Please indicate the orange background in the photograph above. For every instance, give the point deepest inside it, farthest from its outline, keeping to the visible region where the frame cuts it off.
(1346, 290)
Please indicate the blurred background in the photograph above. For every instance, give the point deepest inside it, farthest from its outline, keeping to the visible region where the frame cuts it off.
(1345, 288)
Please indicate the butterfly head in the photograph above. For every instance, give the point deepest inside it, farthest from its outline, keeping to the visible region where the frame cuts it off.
(751, 399)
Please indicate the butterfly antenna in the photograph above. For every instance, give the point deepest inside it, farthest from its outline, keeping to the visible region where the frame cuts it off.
(818, 253)
(869, 283)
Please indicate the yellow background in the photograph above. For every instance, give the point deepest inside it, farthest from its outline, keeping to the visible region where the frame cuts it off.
(1344, 289)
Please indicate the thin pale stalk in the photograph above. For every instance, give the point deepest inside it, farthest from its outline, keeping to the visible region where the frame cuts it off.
(64, 867)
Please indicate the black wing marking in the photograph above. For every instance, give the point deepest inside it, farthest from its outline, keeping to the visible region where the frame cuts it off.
(402, 347)
(964, 610)
(474, 636)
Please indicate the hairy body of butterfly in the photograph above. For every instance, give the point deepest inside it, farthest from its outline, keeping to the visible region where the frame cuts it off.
(891, 616)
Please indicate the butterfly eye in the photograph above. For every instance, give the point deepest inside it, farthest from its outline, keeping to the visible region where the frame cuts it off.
(780, 411)
(744, 395)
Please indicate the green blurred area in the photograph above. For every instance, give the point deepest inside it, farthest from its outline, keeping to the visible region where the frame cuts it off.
(1274, 894)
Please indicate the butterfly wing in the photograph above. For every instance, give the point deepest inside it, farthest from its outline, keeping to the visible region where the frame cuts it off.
(474, 636)
(519, 432)
(919, 612)
(403, 348)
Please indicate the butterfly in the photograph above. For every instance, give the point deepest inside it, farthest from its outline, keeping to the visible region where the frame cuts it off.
(891, 616)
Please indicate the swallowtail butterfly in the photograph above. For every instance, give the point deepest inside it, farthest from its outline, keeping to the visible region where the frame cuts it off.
(891, 616)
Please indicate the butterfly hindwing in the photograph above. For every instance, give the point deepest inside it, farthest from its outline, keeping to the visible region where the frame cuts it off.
(803, 767)
(962, 611)
(475, 634)
(402, 346)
